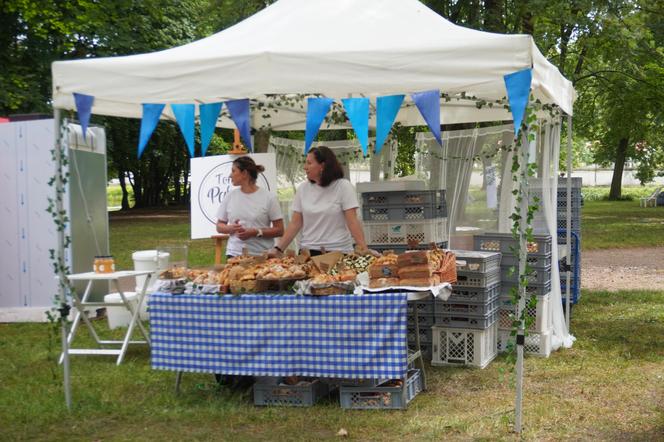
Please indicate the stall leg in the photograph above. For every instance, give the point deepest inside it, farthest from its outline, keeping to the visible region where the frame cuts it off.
(419, 358)
(178, 380)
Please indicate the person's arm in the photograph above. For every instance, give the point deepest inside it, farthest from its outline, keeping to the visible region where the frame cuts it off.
(276, 230)
(291, 231)
(228, 229)
(355, 229)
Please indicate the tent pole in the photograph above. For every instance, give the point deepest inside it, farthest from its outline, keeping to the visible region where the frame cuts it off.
(568, 246)
(60, 257)
(523, 153)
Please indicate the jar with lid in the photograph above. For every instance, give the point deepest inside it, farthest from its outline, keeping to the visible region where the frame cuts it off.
(104, 264)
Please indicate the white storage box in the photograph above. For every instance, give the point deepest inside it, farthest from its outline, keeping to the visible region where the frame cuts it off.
(119, 316)
(149, 260)
(541, 313)
(538, 344)
(456, 346)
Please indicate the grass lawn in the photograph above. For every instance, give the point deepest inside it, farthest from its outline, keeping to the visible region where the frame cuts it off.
(609, 386)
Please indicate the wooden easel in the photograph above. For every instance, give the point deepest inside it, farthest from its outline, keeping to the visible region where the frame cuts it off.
(238, 147)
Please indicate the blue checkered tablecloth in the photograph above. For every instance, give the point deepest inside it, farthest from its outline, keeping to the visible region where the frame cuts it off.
(341, 336)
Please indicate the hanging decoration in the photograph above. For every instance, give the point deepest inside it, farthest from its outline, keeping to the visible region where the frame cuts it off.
(428, 103)
(184, 114)
(151, 115)
(239, 110)
(387, 109)
(317, 108)
(518, 89)
(84, 108)
(209, 113)
(357, 110)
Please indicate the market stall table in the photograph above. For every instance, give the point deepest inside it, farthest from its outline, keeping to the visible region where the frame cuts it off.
(337, 336)
(80, 303)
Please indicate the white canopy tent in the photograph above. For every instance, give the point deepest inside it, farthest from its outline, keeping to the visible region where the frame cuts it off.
(298, 48)
(333, 48)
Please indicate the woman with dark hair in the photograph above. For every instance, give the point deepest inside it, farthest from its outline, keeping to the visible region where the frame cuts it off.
(249, 214)
(324, 208)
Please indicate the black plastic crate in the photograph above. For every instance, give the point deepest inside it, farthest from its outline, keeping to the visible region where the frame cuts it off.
(476, 261)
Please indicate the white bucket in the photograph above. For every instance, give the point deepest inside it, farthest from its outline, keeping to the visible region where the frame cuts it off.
(147, 260)
(119, 316)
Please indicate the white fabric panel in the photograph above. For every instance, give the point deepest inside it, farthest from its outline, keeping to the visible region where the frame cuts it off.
(369, 47)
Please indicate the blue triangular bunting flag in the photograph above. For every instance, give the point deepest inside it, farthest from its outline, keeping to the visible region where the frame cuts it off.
(317, 108)
(428, 103)
(84, 108)
(239, 110)
(185, 116)
(518, 89)
(151, 114)
(387, 109)
(357, 110)
(209, 114)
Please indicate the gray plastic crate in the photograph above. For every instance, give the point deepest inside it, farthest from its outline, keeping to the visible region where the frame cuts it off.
(506, 244)
(474, 294)
(536, 276)
(421, 307)
(424, 320)
(474, 279)
(535, 262)
(425, 333)
(476, 261)
(531, 289)
(290, 395)
(384, 398)
(430, 198)
(466, 308)
(402, 248)
(403, 212)
(467, 321)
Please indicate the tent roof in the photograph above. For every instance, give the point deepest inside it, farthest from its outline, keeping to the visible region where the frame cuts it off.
(340, 48)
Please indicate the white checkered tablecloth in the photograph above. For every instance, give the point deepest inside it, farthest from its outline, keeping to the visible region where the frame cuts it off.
(341, 336)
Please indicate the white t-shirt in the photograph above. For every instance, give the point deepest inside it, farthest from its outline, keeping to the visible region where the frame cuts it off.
(322, 209)
(255, 210)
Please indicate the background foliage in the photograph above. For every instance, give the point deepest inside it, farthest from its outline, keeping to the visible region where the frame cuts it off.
(612, 50)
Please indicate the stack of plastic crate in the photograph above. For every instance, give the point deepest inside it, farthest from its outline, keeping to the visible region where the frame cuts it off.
(425, 316)
(465, 328)
(404, 219)
(538, 341)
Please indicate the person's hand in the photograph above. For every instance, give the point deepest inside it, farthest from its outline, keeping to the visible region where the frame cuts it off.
(245, 234)
(364, 250)
(274, 253)
(235, 228)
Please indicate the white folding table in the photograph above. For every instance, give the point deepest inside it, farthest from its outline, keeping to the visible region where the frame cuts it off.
(80, 303)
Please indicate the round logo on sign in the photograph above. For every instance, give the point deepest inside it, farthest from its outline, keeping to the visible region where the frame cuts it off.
(215, 186)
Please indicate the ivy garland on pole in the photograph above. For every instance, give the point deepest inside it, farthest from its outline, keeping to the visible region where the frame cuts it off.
(58, 315)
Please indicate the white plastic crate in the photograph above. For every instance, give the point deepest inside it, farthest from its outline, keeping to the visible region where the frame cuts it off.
(455, 346)
(538, 344)
(541, 312)
(402, 232)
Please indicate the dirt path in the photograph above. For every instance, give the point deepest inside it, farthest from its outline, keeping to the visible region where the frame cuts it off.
(623, 269)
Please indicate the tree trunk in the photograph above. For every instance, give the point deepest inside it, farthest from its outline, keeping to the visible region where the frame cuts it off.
(261, 140)
(616, 181)
(125, 193)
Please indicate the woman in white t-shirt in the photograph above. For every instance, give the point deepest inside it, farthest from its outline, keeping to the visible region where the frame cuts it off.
(324, 208)
(249, 214)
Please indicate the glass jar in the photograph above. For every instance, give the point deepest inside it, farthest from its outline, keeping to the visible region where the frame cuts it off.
(104, 264)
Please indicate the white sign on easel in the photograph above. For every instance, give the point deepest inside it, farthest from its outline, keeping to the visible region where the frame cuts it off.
(211, 181)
